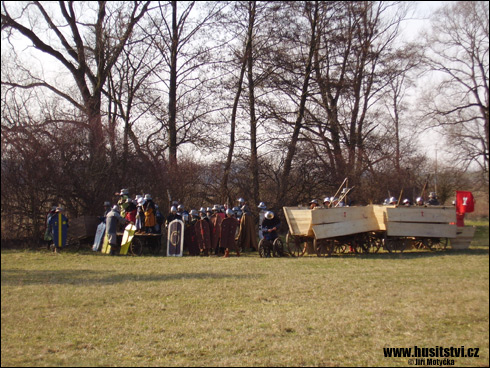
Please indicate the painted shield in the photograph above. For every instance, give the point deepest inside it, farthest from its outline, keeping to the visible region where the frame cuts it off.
(228, 232)
(203, 234)
(215, 229)
(99, 236)
(59, 224)
(127, 238)
(175, 238)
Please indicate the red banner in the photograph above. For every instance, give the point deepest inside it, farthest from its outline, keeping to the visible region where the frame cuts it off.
(464, 202)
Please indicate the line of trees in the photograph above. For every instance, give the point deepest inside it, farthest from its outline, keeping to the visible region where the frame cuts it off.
(211, 101)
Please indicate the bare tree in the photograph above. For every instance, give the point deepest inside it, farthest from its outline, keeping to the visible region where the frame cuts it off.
(457, 48)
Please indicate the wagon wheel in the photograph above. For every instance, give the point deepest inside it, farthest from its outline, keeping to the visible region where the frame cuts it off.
(136, 247)
(436, 244)
(420, 243)
(278, 248)
(340, 247)
(377, 242)
(73, 243)
(361, 243)
(264, 249)
(394, 244)
(324, 248)
(295, 245)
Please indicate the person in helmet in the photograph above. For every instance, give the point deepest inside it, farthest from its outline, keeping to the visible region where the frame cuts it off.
(140, 215)
(190, 239)
(326, 202)
(172, 216)
(247, 237)
(131, 211)
(123, 201)
(419, 201)
(262, 210)
(270, 225)
(150, 218)
(392, 201)
(314, 204)
(433, 201)
(228, 231)
(406, 202)
(215, 226)
(113, 220)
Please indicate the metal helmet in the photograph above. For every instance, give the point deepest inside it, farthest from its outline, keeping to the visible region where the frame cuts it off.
(393, 200)
(124, 191)
(202, 210)
(147, 197)
(194, 213)
(115, 208)
(180, 207)
(432, 195)
(141, 201)
(173, 209)
(215, 207)
(315, 201)
(327, 199)
(229, 212)
(269, 215)
(334, 199)
(406, 202)
(262, 206)
(420, 200)
(241, 200)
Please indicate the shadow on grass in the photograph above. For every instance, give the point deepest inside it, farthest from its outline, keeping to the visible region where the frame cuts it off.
(92, 278)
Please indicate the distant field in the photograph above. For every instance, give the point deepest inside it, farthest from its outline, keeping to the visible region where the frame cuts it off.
(84, 309)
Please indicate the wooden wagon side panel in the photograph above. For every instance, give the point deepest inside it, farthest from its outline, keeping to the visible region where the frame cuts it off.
(421, 230)
(299, 220)
(324, 231)
(433, 222)
(422, 214)
(83, 227)
(340, 214)
(380, 213)
(464, 236)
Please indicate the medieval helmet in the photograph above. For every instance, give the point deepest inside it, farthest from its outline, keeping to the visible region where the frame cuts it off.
(269, 215)
(262, 206)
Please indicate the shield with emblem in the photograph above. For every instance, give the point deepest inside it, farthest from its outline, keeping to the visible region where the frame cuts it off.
(175, 238)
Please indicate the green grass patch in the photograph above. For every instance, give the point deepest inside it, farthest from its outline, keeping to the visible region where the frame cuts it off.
(83, 309)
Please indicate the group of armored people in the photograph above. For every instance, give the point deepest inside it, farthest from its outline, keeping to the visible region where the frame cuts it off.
(145, 214)
(330, 202)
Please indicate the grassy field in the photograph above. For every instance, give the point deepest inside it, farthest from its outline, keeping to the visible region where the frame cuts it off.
(83, 309)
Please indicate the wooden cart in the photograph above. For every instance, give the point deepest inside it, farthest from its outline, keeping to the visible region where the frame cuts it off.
(325, 230)
(367, 229)
(81, 231)
(419, 227)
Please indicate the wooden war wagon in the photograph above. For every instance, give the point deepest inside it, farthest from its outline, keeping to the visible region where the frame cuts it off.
(81, 231)
(325, 230)
(367, 229)
(419, 227)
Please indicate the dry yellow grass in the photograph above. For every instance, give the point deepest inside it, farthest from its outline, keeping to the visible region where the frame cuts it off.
(86, 309)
